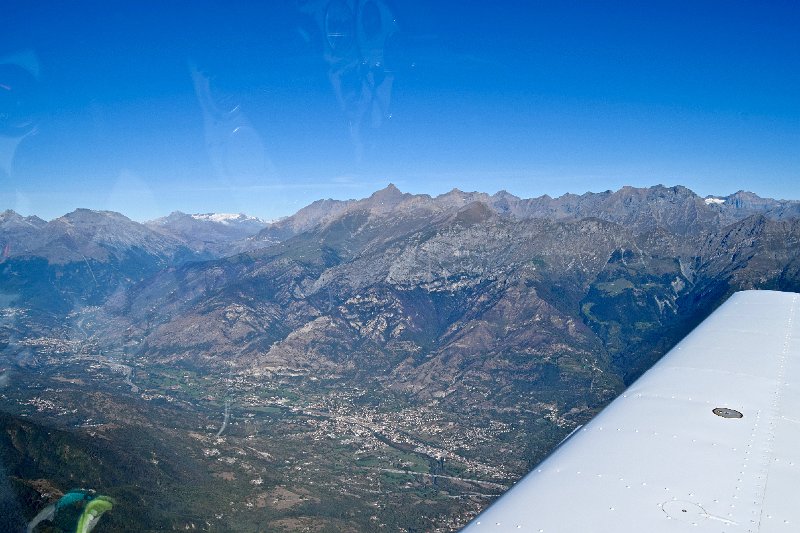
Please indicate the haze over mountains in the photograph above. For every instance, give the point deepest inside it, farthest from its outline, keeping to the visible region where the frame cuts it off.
(500, 322)
(675, 209)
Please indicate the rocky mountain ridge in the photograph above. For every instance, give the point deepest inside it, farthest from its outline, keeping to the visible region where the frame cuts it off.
(374, 335)
(677, 209)
(346, 287)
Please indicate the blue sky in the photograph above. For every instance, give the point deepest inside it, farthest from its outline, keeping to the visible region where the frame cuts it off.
(149, 107)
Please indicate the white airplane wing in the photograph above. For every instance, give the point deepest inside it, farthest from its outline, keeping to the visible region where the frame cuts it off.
(706, 440)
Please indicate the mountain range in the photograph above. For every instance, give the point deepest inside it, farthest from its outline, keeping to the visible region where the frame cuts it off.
(506, 321)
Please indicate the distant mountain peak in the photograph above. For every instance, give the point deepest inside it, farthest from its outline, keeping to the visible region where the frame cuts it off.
(745, 195)
(502, 193)
(390, 192)
(217, 234)
(226, 218)
(9, 217)
(83, 215)
(749, 200)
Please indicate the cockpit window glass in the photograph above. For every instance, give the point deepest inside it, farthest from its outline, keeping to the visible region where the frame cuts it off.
(355, 265)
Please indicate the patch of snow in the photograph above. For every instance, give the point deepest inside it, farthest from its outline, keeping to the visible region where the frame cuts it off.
(711, 200)
(226, 218)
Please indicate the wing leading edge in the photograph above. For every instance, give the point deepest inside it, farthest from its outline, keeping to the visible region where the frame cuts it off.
(706, 440)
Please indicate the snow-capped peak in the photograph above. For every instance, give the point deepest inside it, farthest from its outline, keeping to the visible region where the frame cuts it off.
(226, 218)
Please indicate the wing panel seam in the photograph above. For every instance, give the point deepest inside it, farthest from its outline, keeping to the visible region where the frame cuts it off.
(775, 413)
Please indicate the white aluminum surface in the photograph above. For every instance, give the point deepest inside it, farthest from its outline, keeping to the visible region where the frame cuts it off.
(657, 459)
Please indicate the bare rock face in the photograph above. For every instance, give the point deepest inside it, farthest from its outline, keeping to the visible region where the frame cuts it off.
(451, 297)
(429, 295)
(460, 296)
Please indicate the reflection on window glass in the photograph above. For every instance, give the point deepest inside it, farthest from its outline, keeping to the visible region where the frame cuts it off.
(332, 265)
